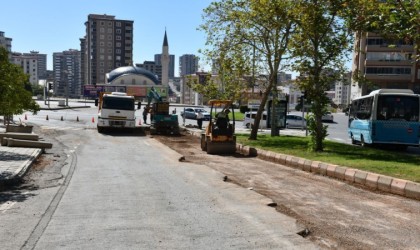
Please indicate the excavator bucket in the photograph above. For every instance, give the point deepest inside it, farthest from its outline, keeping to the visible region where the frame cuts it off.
(221, 148)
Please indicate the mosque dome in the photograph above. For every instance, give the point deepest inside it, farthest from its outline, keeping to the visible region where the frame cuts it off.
(131, 70)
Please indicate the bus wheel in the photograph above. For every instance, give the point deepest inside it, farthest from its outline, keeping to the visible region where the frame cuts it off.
(353, 141)
(362, 141)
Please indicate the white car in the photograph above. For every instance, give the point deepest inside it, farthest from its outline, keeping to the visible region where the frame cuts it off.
(249, 119)
(295, 121)
(328, 117)
(191, 113)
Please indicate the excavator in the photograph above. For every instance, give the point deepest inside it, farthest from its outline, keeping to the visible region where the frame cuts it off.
(219, 136)
(162, 121)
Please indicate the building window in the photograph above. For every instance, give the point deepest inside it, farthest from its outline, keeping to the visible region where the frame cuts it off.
(118, 31)
(118, 51)
(118, 44)
(102, 30)
(118, 37)
(118, 24)
(102, 23)
(109, 30)
(388, 71)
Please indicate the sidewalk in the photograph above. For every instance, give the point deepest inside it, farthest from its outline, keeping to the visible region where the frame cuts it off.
(15, 161)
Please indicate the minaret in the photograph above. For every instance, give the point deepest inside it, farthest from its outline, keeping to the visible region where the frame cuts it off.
(165, 61)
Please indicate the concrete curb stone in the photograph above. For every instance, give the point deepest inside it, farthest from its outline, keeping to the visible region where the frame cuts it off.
(340, 173)
(388, 184)
(353, 176)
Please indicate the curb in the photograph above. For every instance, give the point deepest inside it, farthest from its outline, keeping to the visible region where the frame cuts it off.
(25, 166)
(373, 181)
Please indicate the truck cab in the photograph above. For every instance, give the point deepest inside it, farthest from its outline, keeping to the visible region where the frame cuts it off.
(116, 110)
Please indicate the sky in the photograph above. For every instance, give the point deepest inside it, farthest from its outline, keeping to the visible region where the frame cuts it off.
(50, 26)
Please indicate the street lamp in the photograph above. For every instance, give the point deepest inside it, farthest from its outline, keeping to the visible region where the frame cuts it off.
(66, 73)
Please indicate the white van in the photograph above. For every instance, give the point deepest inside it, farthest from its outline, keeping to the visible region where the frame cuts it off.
(249, 119)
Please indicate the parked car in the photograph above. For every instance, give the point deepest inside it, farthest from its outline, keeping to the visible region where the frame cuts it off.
(295, 121)
(328, 117)
(249, 119)
(191, 113)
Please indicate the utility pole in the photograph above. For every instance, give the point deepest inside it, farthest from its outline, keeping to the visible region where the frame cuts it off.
(66, 79)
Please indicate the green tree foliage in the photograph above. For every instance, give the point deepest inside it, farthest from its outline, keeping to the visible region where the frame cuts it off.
(396, 20)
(14, 96)
(248, 37)
(318, 46)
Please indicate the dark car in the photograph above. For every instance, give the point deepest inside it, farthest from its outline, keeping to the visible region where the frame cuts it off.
(191, 113)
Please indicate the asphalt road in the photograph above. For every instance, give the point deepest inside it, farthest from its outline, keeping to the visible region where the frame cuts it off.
(127, 191)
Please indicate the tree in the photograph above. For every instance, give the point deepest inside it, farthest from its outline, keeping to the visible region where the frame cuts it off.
(246, 35)
(14, 97)
(318, 47)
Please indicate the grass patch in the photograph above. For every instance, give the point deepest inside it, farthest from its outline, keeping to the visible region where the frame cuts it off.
(395, 164)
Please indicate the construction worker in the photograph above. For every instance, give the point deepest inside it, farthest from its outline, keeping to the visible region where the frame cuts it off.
(145, 111)
(200, 117)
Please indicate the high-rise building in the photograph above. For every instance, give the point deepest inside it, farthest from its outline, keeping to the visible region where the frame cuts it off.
(391, 67)
(42, 63)
(342, 91)
(188, 64)
(5, 42)
(158, 59)
(108, 44)
(152, 67)
(29, 64)
(67, 73)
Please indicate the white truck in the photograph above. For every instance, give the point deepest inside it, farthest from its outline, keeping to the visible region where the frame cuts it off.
(116, 110)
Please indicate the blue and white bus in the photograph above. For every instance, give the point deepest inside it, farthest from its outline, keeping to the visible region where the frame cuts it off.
(386, 116)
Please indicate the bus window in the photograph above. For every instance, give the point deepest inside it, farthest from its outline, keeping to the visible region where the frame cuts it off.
(364, 108)
(398, 108)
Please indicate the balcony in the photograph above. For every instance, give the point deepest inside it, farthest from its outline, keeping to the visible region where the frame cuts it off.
(406, 63)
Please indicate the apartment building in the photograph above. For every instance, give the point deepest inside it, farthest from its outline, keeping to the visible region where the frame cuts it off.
(67, 74)
(342, 91)
(107, 45)
(153, 67)
(28, 63)
(188, 64)
(158, 61)
(5, 42)
(385, 64)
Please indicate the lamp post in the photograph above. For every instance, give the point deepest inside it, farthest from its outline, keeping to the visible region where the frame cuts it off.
(66, 73)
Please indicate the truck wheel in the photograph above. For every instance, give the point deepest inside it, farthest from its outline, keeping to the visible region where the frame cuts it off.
(100, 129)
